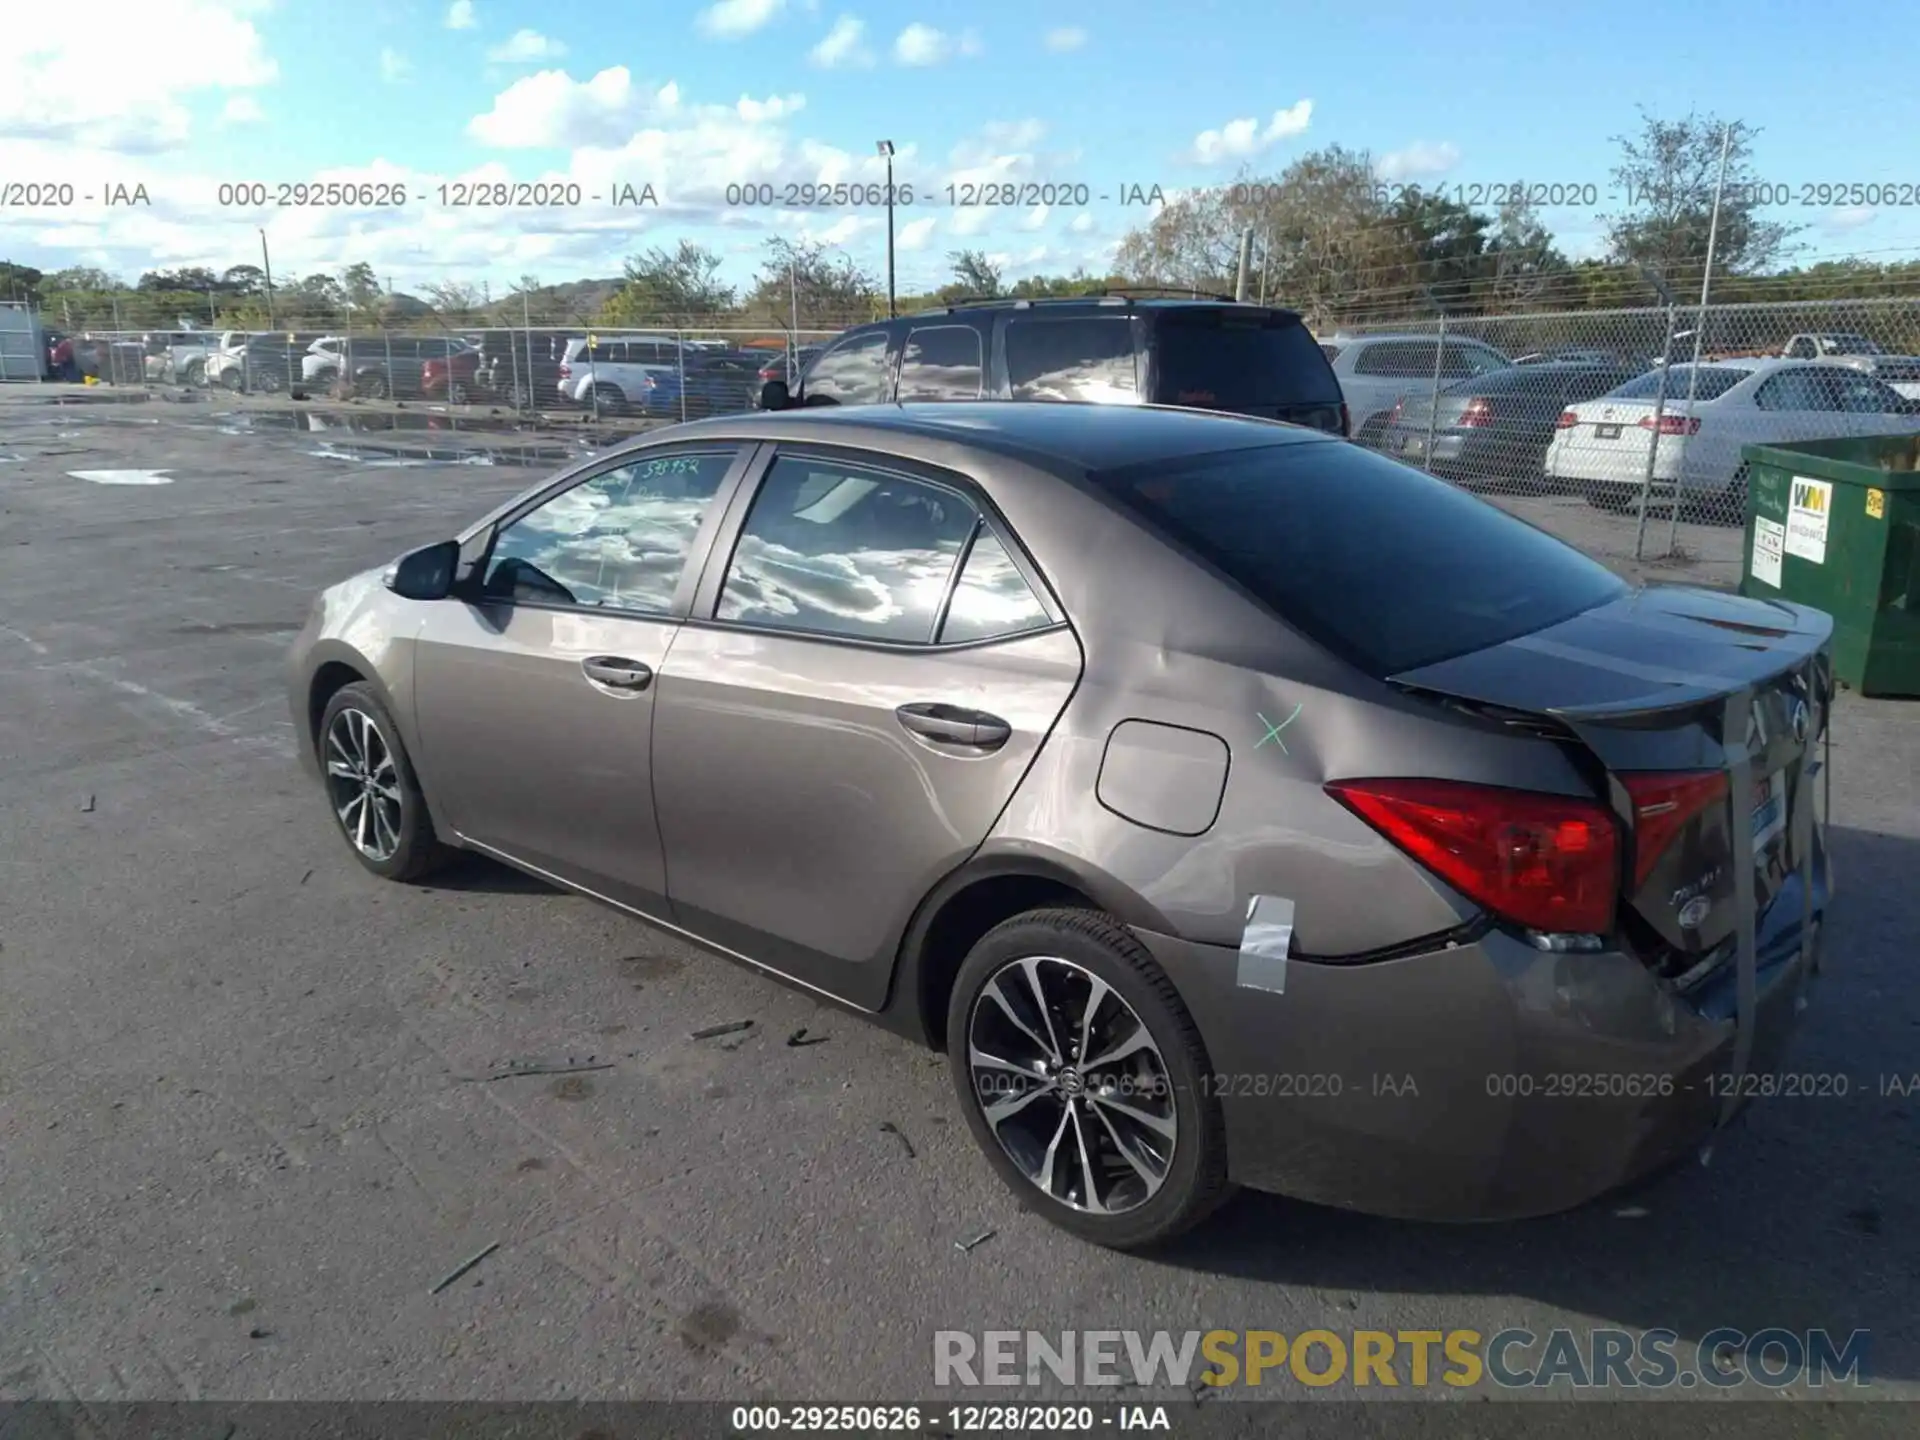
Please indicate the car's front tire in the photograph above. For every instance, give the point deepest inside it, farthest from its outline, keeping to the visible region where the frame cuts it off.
(1085, 1081)
(371, 787)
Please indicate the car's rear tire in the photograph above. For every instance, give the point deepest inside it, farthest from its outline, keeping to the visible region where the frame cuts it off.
(269, 381)
(1147, 1123)
(457, 394)
(1617, 498)
(196, 373)
(371, 787)
(372, 387)
(608, 399)
(235, 380)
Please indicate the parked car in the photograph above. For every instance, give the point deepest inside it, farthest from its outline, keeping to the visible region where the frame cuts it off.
(1495, 427)
(1902, 372)
(521, 367)
(451, 377)
(1572, 354)
(381, 366)
(1113, 349)
(715, 382)
(1376, 371)
(1120, 751)
(788, 366)
(1603, 445)
(178, 357)
(225, 364)
(609, 375)
(266, 363)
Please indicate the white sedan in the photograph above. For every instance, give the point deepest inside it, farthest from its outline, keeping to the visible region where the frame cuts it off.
(1601, 446)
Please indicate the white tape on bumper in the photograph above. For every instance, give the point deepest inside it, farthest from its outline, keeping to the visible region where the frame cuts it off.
(1264, 944)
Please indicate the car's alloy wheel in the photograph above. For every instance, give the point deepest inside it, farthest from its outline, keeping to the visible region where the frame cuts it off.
(1072, 1085)
(1084, 1079)
(364, 785)
(371, 788)
(456, 394)
(268, 382)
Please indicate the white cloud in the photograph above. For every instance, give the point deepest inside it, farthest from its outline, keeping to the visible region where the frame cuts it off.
(1850, 217)
(915, 234)
(730, 19)
(1036, 218)
(1067, 37)
(242, 110)
(394, 65)
(1083, 223)
(553, 110)
(525, 47)
(843, 47)
(921, 45)
(460, 15)
(55, 78)
(1243, 139)
(1419, 160)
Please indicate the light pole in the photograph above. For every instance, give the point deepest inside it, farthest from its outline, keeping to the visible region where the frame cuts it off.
(886, 153)
(266, 266)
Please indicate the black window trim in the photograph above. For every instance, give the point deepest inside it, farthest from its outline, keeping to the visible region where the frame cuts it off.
(703, 609)
(476, 548)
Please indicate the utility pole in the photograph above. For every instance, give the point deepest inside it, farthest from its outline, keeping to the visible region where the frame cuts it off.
(266, 265)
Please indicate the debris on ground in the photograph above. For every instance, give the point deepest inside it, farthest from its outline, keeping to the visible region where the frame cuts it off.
(563, 1067)
(463, 1267)
(800, 1038)
(732, 1027)
(258, 1334)
(87, 809)
(887, 1127)
(963, 1246)
(306, 877)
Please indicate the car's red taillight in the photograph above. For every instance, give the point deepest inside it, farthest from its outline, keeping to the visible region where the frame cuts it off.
(1663, 805)
(1393, 416)
(1478, 412)
(1549, 862)
(1568, 419)
(1673, 424)
(566, 372)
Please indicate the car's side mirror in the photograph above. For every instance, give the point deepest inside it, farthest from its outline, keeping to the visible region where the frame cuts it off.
(774, 395)
(425, 574)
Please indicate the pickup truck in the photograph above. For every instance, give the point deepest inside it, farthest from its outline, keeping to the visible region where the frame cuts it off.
(179, 357)
(1828, 345)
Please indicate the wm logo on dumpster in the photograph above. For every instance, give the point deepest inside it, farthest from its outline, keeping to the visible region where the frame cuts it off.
(1809, 498)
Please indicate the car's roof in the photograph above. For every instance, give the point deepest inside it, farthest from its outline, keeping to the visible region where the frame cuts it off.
(1083, 436)
(1400, 335)
(1122, 304)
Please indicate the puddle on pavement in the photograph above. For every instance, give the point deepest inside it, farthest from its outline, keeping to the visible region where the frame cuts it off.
(538, 448)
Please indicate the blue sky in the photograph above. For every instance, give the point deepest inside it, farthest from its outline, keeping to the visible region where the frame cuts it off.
(692, 97)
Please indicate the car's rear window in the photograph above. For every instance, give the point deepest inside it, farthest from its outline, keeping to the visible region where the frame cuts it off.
(1385, 566)
(1713, 382)
(1225, 362)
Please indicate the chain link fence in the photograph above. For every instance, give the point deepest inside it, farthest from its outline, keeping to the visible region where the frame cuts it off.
(1595, 424)
(1606, 411)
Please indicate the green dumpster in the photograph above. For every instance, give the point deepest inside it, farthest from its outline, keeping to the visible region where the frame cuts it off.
(1836, 524)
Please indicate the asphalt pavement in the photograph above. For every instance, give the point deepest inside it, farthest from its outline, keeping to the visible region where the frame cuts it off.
(247, 1123)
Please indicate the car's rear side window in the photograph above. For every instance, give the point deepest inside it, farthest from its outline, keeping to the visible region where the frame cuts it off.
(1222, 362)
(1383, 565)
(1088, 358)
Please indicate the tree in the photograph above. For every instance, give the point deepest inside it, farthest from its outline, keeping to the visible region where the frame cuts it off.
(973, 274)
(243, 280)
(662, 283)
(195, 278)
(19, 282)
(1446, 244)
(84, 278)
(1528, 272)
(455, 300)
(1667, 174)
(826, 287)
(360, 289)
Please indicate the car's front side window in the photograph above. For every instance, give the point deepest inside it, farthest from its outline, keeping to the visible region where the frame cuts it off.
(617, 541)
(847, 551)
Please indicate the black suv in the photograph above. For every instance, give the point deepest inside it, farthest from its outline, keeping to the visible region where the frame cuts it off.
(1116, 347)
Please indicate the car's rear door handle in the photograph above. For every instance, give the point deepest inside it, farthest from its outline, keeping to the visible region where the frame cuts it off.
(955, 725)
(617, 672)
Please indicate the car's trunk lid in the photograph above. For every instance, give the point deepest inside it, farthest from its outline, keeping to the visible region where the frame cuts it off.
(1646, 687)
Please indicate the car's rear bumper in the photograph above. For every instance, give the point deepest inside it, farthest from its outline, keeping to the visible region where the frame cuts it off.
(1487, 1081)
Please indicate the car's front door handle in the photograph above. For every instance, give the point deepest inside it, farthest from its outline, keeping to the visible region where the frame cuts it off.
(617, 673)
(955, 725)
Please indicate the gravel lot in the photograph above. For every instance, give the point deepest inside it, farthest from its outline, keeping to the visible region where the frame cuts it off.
(236, 1147)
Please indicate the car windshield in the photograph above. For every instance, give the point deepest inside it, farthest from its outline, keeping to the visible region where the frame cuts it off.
(1383, 565)
(1220, 361)
(1712, 383)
